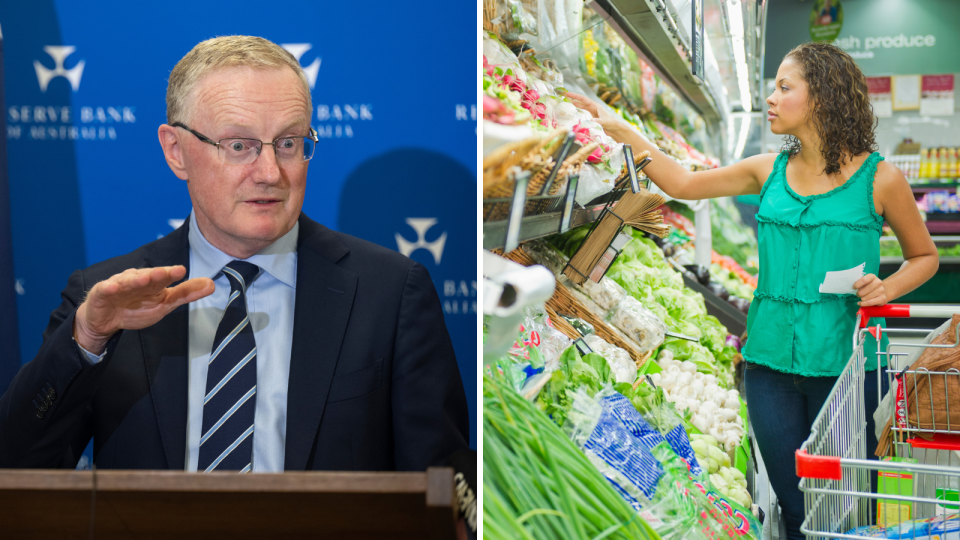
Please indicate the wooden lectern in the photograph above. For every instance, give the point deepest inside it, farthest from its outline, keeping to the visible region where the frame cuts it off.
(153, 505)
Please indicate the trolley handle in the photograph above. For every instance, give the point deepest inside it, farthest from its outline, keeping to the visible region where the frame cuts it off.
(904, 311)
(812, 466)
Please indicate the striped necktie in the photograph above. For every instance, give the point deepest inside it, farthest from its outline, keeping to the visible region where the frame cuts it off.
(226, 441)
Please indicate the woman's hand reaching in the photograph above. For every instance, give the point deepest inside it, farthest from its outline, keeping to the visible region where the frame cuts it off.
(612, 125)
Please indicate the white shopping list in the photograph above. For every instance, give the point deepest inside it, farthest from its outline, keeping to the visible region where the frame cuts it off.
(841, 281)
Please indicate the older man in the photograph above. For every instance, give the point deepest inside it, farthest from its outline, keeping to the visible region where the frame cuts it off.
(251, 338)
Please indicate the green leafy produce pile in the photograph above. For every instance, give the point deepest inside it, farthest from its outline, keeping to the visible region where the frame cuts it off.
(643, 271)
(680, 508)
(591, 373)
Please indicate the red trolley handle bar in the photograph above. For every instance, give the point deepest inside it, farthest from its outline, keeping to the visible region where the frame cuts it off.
(904, 310)
(824, 467)
(890, 310)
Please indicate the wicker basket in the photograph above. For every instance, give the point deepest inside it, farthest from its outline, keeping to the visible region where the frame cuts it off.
(500, 167)
(568, 301)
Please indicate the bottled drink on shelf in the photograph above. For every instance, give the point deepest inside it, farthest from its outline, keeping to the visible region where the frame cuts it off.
(944, 164)
(952, 171)
(924, 163)
(934, 170)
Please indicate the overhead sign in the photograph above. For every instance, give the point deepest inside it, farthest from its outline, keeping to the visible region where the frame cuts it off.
(696, 41)
(885, 37)
(826, 20)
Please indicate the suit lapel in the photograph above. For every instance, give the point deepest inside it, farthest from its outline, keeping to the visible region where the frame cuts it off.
(165, 347)
(324, 299)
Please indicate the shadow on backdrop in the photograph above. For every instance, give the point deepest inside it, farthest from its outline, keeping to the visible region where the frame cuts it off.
(425, 208)
(47, 230)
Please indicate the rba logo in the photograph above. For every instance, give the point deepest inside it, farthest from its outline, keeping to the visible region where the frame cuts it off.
(421, 226)
(297, 50)
(59, 54)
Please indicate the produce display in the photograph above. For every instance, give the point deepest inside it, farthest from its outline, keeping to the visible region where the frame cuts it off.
(729, 480)
(630, 434)
(725, 277)
(627, 84)
(729, 235)
(714, 411)
(643, 272)
(524, 91)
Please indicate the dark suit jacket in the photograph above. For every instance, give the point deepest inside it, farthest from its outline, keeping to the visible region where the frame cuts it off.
(374, 384)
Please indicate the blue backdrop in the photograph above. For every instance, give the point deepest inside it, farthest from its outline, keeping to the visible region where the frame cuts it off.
(394, 102)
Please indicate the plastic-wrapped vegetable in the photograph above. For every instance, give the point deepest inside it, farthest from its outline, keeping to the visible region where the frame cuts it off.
(579, 325)
(514, 17)
(543, 335)
(547, 255)
(639, 323)
(498, 55)
(623, 367)
(607, 294)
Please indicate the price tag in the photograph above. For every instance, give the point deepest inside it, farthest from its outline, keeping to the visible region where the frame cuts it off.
(605, 261)
(901, 404)
(582, 347)
(512, 239)
(631, 168)
(568, 203)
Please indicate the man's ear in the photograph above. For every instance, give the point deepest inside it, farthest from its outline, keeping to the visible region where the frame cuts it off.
(172, 150)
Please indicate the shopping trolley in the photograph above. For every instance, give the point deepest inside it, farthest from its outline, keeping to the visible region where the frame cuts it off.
(835, 474)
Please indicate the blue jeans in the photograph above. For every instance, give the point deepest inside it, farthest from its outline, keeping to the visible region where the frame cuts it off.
(782, 410)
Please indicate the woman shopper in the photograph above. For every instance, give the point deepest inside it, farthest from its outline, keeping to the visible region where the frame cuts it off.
(824, 199)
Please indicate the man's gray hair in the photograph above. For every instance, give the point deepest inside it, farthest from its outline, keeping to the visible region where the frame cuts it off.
(220, 53)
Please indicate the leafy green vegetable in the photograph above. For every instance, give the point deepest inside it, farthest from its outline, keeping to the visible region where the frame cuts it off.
(590, 373)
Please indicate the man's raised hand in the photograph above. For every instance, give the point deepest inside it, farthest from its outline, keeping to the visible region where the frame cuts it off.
(131, 300)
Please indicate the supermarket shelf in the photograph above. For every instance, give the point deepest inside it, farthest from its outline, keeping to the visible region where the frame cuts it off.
(942, 288)
(895, 262)
(642, 23)
(938, 240)
(533, 227)
(943, 227)
(926, 188)
(729, 316)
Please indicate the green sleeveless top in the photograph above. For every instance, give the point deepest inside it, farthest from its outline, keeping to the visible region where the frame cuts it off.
(792, 327)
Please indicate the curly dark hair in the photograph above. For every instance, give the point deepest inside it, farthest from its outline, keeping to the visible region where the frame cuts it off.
(839, 104)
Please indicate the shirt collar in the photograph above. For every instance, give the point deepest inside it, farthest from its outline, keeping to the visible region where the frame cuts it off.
(279, 259)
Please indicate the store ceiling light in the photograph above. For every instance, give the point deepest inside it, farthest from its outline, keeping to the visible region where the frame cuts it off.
(739, 53)
(742, 141)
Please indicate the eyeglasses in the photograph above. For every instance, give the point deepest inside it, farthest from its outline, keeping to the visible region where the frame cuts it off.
(236, 151)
